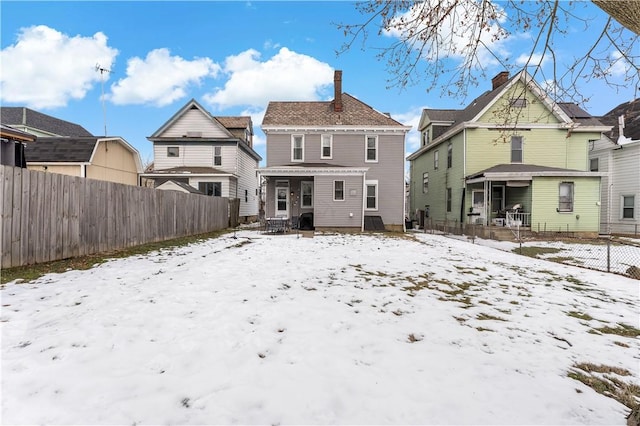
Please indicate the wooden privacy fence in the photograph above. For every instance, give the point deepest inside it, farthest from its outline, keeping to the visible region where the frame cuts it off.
(49, 216)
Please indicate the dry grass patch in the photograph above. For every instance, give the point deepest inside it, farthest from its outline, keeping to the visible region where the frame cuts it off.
(621, 330)
(601, 378)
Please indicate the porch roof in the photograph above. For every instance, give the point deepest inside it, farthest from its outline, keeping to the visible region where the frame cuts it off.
(311, 169)
(186, 171)
(524, 172)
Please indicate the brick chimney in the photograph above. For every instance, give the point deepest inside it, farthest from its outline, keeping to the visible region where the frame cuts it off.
(499, 79)
(337, 88)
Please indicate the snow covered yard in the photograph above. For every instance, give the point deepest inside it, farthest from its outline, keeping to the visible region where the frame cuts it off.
(335, 329)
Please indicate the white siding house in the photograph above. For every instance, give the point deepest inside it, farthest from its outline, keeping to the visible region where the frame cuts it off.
(211, 154)
(617, 154)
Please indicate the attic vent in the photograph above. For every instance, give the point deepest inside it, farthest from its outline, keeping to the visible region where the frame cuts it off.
(194, 134)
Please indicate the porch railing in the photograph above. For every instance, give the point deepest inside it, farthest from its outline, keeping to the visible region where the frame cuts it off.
(514, 220)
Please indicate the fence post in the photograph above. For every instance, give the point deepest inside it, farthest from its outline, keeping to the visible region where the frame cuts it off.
(609, 253)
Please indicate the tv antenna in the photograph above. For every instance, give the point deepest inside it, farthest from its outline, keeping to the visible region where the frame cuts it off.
(102, 70)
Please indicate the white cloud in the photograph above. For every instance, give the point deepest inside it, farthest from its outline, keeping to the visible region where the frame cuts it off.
(619, 65)
(47, 69)
(160, 78)
(285, 76)
(532, 60)
(455, 30)
(411, 118)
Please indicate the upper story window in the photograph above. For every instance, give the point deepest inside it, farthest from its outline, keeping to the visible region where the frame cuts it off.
(516, 149)
(518, 103)
(425, 183)
(326, 147)
(565, 199)
(593, 165)
(371, 155)
(449, 155)
(338, 190)
(217, 156)
(297, 148)
(436, 160)
(425, 137)
(173, 151)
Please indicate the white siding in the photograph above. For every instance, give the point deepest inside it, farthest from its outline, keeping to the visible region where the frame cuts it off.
(194, 154)
(247, 180)
(194, 120)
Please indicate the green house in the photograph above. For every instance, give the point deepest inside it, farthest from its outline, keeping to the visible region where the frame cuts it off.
(511, 158)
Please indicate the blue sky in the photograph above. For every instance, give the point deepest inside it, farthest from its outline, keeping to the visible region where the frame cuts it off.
(232, 57)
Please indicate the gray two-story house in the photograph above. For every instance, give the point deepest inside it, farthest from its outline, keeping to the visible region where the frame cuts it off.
(334, 164)
(212, 154)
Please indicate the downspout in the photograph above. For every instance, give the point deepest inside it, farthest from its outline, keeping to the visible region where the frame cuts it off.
(364, 198)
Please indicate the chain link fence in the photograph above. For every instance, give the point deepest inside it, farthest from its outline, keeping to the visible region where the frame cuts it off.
(614, 254)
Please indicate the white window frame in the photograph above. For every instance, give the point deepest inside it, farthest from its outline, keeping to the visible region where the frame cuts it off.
(436, 160)
(633, 207)
(449, 155)
(571, 185)
(521, 150)
(595, 160)
(293, 148)
(335, 190)
(328, 138)
(171, 149)
(302, 185)
(425, 182)
(367, 184)
(217, 154)
(366, 148)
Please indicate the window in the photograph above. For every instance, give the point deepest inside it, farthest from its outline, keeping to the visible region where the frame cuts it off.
(371, 187)
(246, 195)
(593, 165)
(565, 202)
(338, 190)
(327, 142)
(449, 155)
(217, 156)
(435, 160)
(306, 188)
(516, 149)
(173, 151)
(425, 183)
(297, 148)
(519, 103)
(372, 149)
(628, 206)
(425, 138)
(448, 194)
(211, 188)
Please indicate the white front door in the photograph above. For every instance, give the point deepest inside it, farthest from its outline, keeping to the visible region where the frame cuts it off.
(477, 201)
(282, 198)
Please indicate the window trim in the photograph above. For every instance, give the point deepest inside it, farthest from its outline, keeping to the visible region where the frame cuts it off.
(366, 148)
(560, 209)
(219, 156)
(367, 184)
(425, 182)
(521, 149)
(322, 140)
(633, 207)
(518, 102)
(293, 148)
(436, 159)
(213, 188)
(335, 190)
(597, 162)
(303, 183)
(170, 149)
(449, 155)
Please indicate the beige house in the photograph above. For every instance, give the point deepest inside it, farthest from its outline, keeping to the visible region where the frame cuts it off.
(110, 159)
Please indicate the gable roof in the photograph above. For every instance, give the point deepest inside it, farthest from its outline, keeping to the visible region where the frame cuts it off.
(61, 150)
(568, 113)
(321, 113)
(185, 186)
(192, 104)
(25, 117)
(631, 112)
